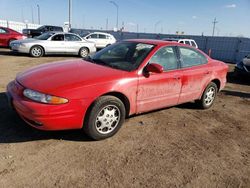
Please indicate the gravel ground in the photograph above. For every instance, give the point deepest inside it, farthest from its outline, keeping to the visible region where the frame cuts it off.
(180, 146)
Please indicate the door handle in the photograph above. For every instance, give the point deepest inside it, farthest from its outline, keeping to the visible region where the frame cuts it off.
(177, 77)
(208, 72)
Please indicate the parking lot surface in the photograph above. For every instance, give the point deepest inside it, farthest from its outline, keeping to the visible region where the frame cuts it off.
(175, 147)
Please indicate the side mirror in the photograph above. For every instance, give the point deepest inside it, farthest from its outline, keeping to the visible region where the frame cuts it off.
(155, 68)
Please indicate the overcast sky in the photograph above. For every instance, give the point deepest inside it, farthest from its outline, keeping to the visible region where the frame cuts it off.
(167, 16)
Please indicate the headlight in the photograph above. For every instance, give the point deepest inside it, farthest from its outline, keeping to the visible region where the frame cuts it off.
(43, 98)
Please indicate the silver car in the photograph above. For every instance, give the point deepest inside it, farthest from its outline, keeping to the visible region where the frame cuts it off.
(54, 43)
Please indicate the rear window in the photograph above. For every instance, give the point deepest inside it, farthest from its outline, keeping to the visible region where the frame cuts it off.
(193, 44)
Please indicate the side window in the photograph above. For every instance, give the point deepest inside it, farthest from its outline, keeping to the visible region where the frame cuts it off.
(165, 57)
(102, 36)
(2, 31)
(58, 37)
(181, 41)
(69, 37)
(191, 57)
(93, 36)
(187, 42)
(193, 43)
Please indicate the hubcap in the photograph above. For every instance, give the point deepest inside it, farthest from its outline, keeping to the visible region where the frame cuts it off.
(84, 53)
(107, 119)
(36, 51)
(210, 95)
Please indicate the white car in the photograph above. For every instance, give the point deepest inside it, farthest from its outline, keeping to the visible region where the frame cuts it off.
(190, 42)
(101, 40)
(54, 43)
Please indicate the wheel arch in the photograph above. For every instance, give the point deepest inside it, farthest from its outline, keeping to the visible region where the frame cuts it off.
(217, 82)
(116, 94)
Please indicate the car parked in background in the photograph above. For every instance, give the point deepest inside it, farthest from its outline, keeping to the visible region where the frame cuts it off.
(126, 78)
(54, 43)
(243, 67)
(190, 42)
(101, 40)
(43, 29)
(8, 35)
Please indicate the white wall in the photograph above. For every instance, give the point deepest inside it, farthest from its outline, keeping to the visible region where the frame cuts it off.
(18, 26)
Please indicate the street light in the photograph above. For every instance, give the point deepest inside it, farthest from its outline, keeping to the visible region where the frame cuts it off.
(156, 24)
(117, 12)
(38, 11)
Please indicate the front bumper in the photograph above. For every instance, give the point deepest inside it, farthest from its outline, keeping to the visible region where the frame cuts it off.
(19, 48)
(44, 116)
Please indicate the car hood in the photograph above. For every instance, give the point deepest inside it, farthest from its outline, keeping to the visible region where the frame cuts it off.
(28, 40)
(58, 77)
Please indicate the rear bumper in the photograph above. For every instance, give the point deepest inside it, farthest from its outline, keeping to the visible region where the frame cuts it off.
(47, 117)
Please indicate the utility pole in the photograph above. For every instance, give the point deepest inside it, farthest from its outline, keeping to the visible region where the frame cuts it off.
(32, 15)
(107, 24)
(137, 28)
(70, 6)
(117, 13)
(214, 23)
(156, 24)
(38, 12)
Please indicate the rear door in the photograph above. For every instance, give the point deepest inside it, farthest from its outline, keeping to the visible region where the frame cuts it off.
(196, 73)
(73, 43)
(158, 90)
(4, 37)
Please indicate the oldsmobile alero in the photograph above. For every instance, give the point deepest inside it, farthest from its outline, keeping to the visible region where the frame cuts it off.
(129, 77)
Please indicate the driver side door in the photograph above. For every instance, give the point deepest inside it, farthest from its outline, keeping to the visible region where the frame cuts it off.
(159, 90)
(56, 44)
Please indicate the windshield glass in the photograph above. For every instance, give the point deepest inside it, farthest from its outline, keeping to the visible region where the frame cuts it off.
(125, 56)
(44, 36)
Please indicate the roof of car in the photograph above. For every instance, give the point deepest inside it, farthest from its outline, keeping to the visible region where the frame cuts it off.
(100, 33)
(152, 41)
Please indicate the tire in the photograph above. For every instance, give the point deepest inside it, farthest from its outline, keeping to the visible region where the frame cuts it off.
(10, 42)
(105, 118)
(208, 96)
(84, 52)
(36, 51)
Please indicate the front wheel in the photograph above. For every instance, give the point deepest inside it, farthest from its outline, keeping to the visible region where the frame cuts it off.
(36, 51)
(208, 96)
(105, 118)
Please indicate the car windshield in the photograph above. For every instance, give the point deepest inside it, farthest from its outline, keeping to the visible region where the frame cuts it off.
(125, 56)
(44, 36)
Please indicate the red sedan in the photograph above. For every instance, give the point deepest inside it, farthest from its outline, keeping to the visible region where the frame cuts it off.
(7, 35)
(129, 77)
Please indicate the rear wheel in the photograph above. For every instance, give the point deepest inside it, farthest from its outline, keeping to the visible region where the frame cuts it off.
(105, 118)
(208, 96)
(36, 51)
(84, 52)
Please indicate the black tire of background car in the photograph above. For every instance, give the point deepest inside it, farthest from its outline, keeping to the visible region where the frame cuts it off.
(89, 123)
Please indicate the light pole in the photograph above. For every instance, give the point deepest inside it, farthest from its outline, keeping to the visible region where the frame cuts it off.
(117, 13)
(70, 5)
(156, 24)
(38, 12)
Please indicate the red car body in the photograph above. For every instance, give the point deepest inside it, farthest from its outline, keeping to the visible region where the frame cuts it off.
(82, 83)
(7, 35)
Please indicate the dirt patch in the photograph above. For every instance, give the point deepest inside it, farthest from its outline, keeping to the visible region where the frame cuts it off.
(180, 146)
